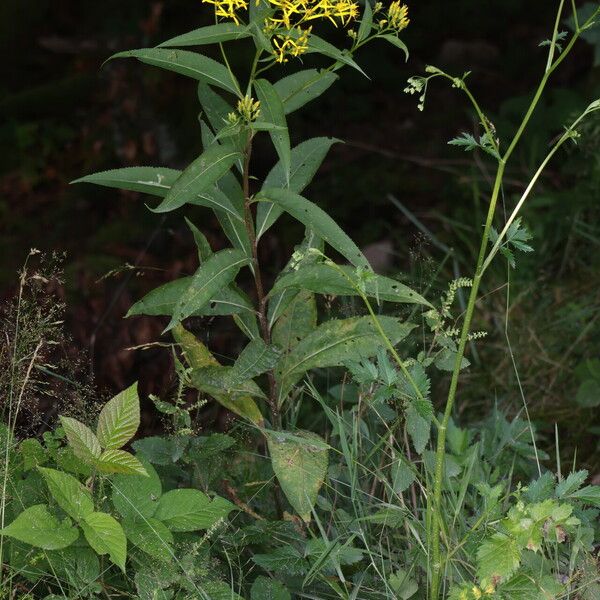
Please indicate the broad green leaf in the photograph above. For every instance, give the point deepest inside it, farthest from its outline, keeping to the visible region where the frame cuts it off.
(163, 300)
(218, 590)
(191, 510)
(136, 496)
(403, 585)
(319, 221)
(69, 493)
(33, 453)
(298, 89)
(156, 181)
(300, 464)
(498, 558)
(151, 536)
(297, 321)
(199, 177)
(366, 23)
(320, 46)
(418, 428)
(395, 41)
(588, 394)
(185, 63)
(323, 278)
(402, 476)
(215, 274)
(588, 495)
(335, 343)
(82, 440)
(265, 588)
(571, 483)
(219, 380)
(106, 536)
(305, 158)
(119, 461)
(212, 34)
(248, 324)
(255, 359)
(198, 356)
(271, 110)
(119, 419)
(283, 559)
(37, 527)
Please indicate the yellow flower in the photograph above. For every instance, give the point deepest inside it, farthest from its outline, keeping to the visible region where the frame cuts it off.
(476, 592)
(489, 590)
(398, 15)
(248, 108)
(287, 45)
(227, 9)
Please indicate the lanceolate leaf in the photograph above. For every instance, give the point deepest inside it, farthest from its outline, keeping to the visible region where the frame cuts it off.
(156, 181)
(218, 380)
(199, 177)
(326, 279)
(119, 461)
(212, 34)
(319, 221)
(106, 536)
(319, 45)
(68, 492)
(300, 464)
(185, 63)
(366, 23)
(119, 419)
(81, 439)
(255, 359)
(38, 527)
(306, 158)
(298, 89)
(271, 110)
(204, 249)
(297, 321)
(395, 41)
(162, 301)
(198, 356)
(216, 273)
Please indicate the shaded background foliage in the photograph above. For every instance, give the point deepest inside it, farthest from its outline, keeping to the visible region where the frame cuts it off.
(63, 115)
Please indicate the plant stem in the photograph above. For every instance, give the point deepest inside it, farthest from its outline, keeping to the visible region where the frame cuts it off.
(260, 291)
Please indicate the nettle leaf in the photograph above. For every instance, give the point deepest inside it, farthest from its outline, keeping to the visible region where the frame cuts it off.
(151, 536)
(198, 356)
(336, 343)
(156, 181)
(571, 483)
(300, 464)
(316, 219)
(216, 273)
(306, 158)
(37, 527)
(588, 495)
(200, 176)
(136, 496)
(119, 419)
(265, 588)
(69, 493)
(298, 89)
(255, 359)
(119, 461)
(185, 63)
(106, 536)
(271, 110)
(81, 439)
(418, 428)
(498, 558)
(191, 510)
(323, 278)
(212, 34)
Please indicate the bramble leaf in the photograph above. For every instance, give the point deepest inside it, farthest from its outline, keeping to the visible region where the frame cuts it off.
(119, 419)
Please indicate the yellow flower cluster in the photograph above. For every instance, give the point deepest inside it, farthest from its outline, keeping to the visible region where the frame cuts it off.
(227, 9)
(397, 16)
(287, 45)
(476, 593)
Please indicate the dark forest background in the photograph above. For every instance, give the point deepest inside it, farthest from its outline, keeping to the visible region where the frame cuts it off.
(395, 185)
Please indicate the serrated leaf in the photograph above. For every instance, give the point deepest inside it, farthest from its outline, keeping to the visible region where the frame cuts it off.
(156, 181)
(306, 158)
(191, 510)
(498, 558)
(298, 89)
(119, 461)
(136, 496)
(284, 559)
(300, 464)
(151, 536)
(211, 34)
(271, 110)
(588, 495)
(571, 483)
(199, 177)
(119, 419)
(418, 428)
(216, 273)
(323, 278)
(265, 588)
(106, 536)
(402, 476)
(81, 439)
(316, 219)
(185, 63)
(403, 585)
(37, 527)
(69, 493)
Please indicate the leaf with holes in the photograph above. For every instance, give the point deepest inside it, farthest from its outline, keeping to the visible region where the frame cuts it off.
(119, 419)
(300, 464)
